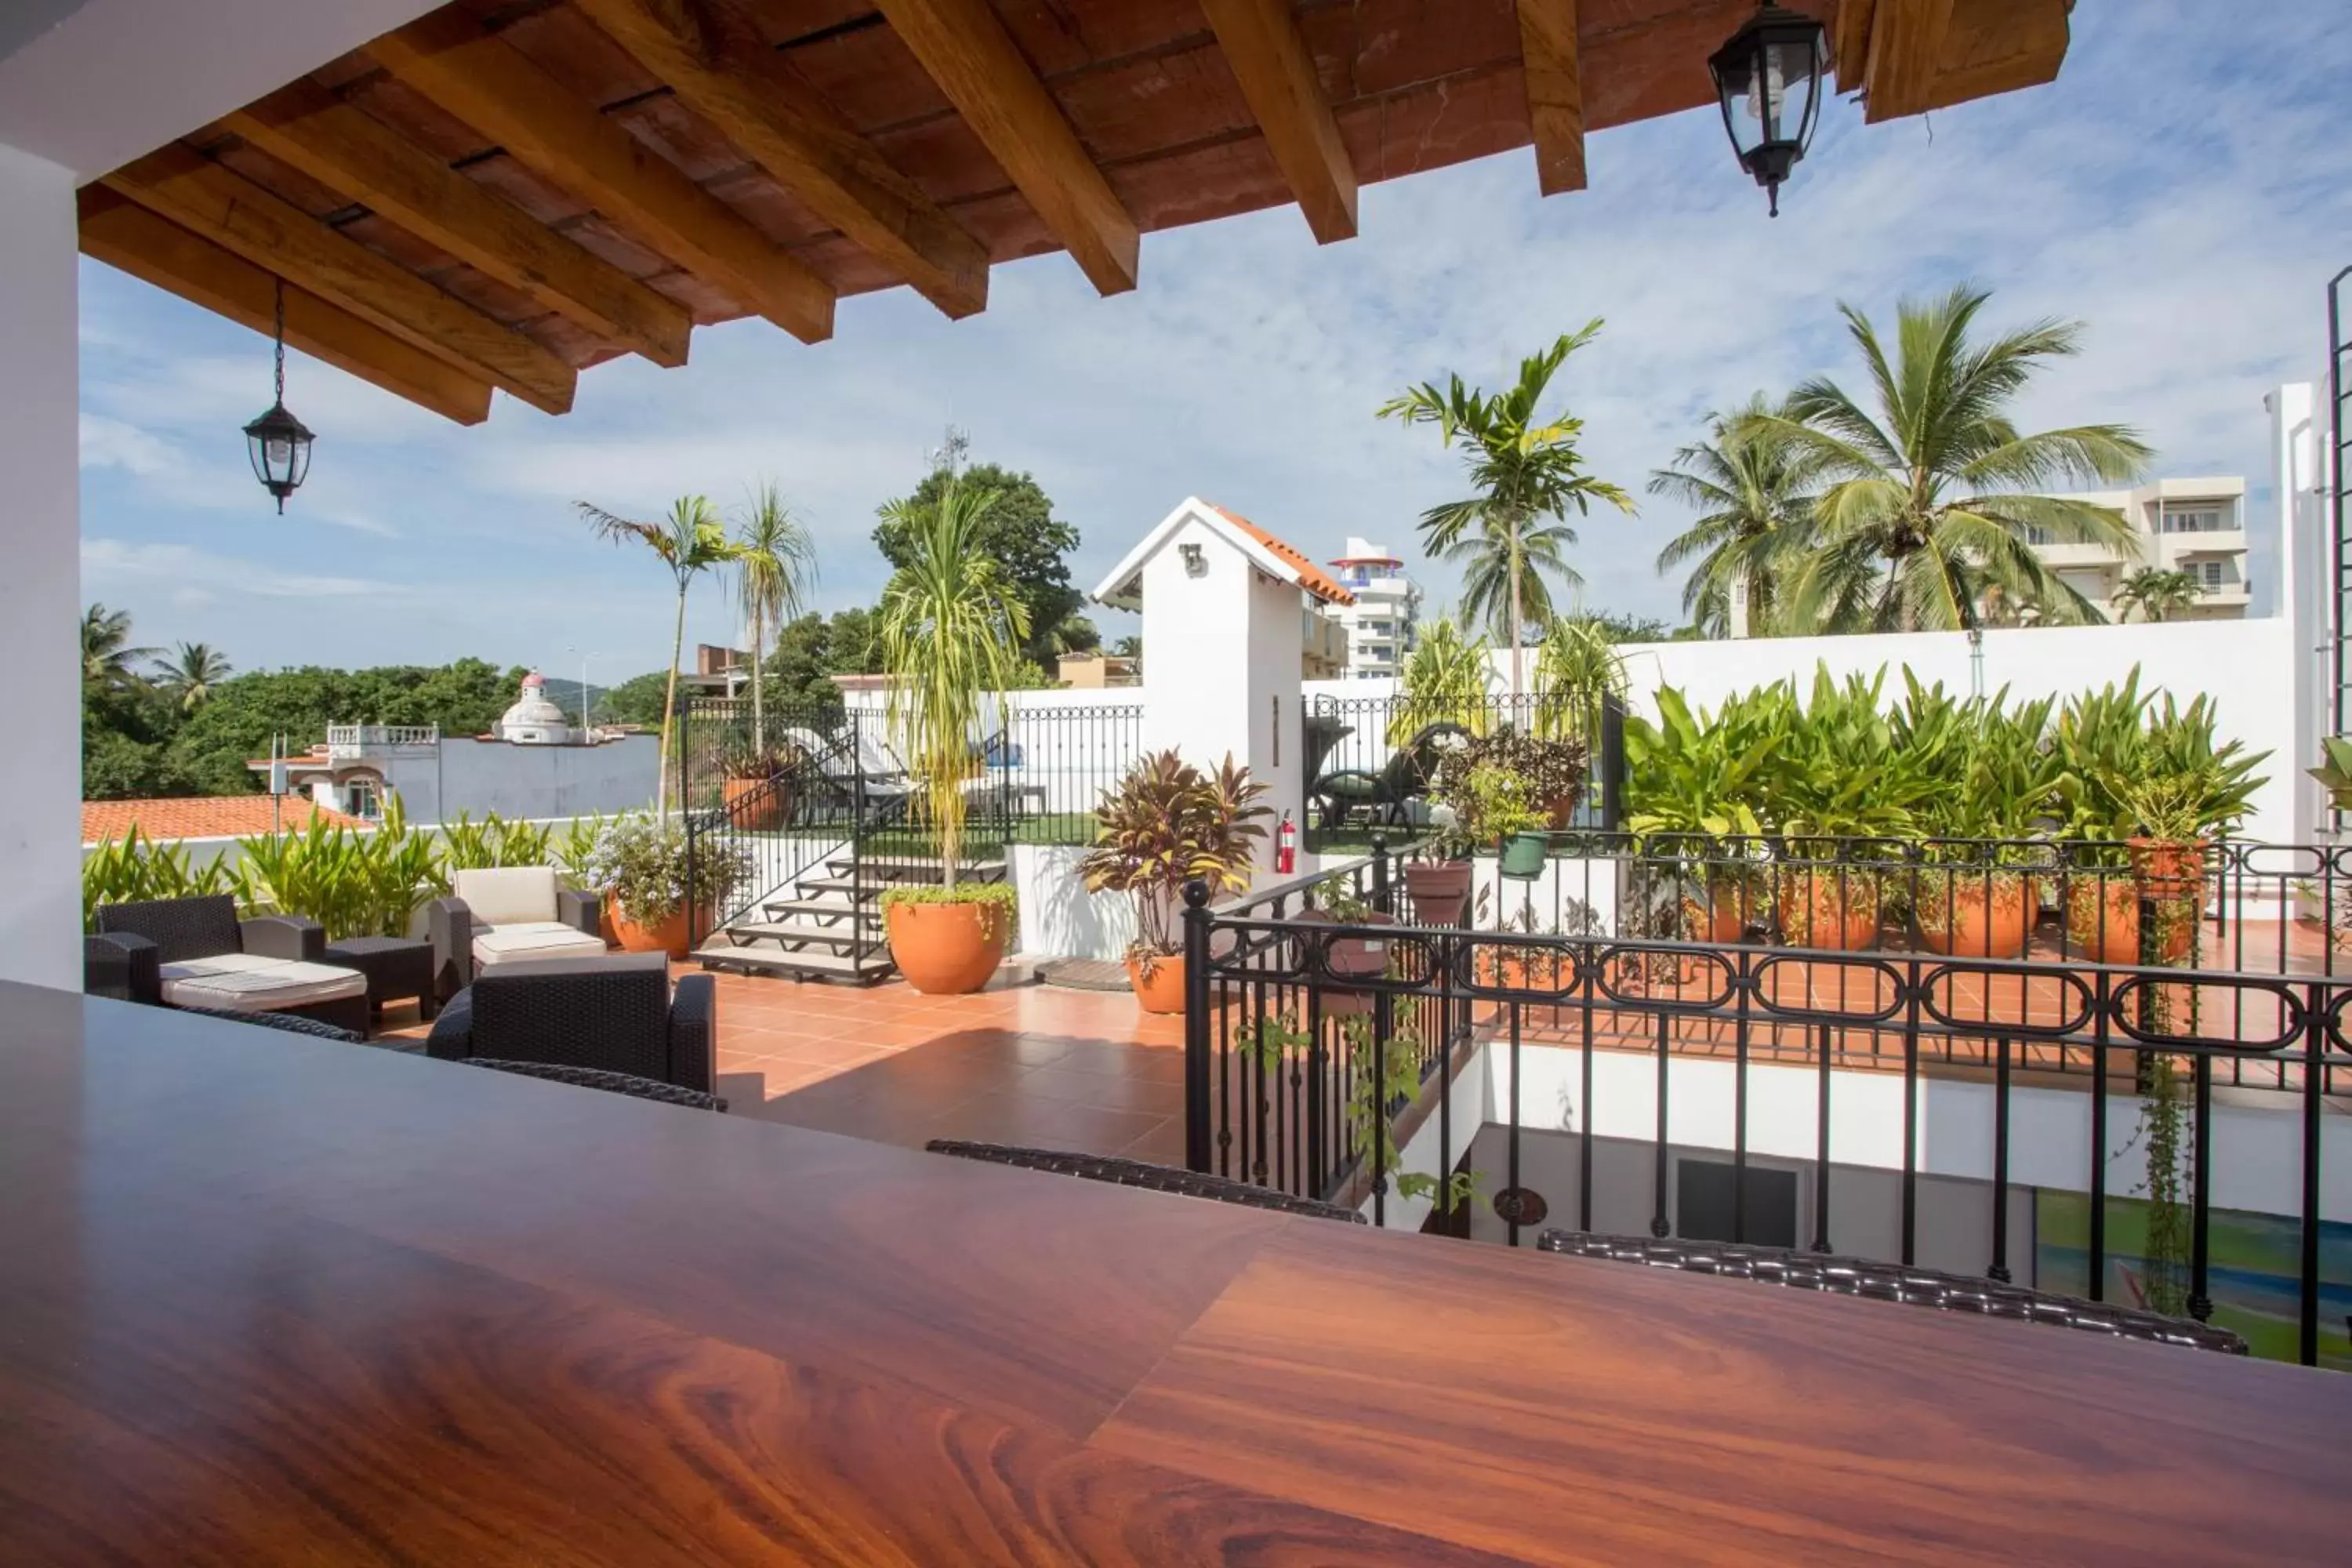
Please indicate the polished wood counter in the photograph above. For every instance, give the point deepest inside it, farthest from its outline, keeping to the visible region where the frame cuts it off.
(267, 1299)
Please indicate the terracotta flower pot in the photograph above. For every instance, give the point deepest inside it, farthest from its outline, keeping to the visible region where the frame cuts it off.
(1348, 955)
(946, 950)
(2102, 919)
(1162, 990)
(2169, 868)
(666, 935)
(1724, 916)
(1822, 907)
(1560, 809)
(756, 806)
(1972, 916)
(1439, 888)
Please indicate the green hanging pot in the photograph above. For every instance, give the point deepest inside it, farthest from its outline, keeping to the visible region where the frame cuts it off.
(1524, 855)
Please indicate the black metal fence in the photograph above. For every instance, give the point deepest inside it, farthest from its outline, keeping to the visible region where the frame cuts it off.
(1323, 1036)
(1370, 759)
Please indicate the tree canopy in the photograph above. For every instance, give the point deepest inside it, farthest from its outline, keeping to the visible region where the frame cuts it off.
(1030, 546)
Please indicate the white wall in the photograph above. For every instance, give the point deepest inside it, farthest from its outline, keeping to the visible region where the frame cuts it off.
(40, 573)
(1059, 919)
(478, 777)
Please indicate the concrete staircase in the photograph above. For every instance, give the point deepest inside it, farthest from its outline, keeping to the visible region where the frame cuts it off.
(812, 927)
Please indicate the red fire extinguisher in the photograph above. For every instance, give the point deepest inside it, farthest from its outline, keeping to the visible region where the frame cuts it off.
(1286, 847)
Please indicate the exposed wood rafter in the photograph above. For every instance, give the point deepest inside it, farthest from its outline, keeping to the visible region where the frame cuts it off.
(1553, 66)
(965, 50)
(1907, 41)
(122, 234)
(312, 131)
(1270, 61)
(495, 90)
(225, 207)
(721, 68)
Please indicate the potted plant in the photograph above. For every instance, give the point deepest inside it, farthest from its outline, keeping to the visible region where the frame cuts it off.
(1843, 787)
(1166, 823)
(953, 627)
(1973, 895)
(759, 789)
(1484, 801)
(2100, 743)
(1691, 786)
(641, 864)
(1343, 956)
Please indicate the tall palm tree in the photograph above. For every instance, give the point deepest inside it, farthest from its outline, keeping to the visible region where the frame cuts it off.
(1489, 558)
(776, 562)
(2157, 593)
(690, 541)
(953, 629)
(1935, 499)
(107, 655)
(192, 673)
(1750, 486)
(1522, 467)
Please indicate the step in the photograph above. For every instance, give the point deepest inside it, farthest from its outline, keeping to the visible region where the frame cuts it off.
(819, 909)
(873, 884)
(803, 965)
(802, 934)
(899, 868)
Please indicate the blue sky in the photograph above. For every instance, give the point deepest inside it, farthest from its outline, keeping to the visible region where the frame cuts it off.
(2185, 189)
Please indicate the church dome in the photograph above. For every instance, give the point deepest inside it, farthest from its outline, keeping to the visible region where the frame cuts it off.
(534, 721)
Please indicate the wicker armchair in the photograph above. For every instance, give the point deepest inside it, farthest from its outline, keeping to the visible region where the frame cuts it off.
(1892, 1283)
(287, 1023)
(1137, 1173)
(507, 914)
(195, 954)
(612, 1082)
(615, 1013)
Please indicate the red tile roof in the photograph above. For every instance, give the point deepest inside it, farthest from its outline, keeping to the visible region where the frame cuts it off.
(200, 816)
(1311, 577)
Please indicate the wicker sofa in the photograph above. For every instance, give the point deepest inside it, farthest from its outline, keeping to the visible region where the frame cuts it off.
(507, 914)
(195, 954)
(618, 1014)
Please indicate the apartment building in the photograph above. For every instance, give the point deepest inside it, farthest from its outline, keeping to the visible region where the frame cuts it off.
(2193, 525)
(1380, 624)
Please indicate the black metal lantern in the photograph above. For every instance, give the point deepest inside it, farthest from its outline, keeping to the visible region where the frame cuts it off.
(1768, 80)
(279, 444)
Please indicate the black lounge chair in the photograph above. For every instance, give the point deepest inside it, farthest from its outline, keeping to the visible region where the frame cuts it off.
(1384, 794)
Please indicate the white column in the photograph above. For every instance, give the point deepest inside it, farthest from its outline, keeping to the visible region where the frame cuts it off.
(40, 576)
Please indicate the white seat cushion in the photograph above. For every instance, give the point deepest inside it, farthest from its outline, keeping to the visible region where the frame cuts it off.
(533, 940)
(247, 983)
(506, 895)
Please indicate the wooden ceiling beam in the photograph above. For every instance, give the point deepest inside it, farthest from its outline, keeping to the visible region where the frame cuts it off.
(967, 53)
(1907, 41)
(493, 87)
(720, 68)
(1553, 66)
(225, 207)
(312, 131)
(1261, 43)
(125, 235)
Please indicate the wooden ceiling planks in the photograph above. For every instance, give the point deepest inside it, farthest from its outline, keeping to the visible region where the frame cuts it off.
(588, 177)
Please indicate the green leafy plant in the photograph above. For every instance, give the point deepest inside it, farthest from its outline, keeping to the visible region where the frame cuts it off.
(640, 861)
(134, 867)
(353, 882)
(952, 628)
(572, 850)
(1164, 824)
(1483, 802)
(999, 907)
(467, 845)
(1552, 770)
(1443, 683)
(1576, 669)
(2335, 770)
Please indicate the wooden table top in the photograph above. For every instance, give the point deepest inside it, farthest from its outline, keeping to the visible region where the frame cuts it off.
(266, 1299)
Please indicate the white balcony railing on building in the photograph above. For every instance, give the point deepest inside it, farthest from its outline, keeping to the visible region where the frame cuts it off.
(354, 740)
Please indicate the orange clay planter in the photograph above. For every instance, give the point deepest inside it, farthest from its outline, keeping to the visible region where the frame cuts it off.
(947, 949)
(666, 935)
(1161, 990)
(1974, 915)
(1726, 915)
(755, 805)
(1829, 908)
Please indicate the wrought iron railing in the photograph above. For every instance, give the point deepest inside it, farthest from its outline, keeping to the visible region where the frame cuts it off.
(1324, 1038)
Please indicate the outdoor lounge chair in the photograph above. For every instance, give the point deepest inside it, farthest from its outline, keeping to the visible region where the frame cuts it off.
(1892, 1283)
(1383, 794)
(871, 769)
(506, 915)
(616, 1014)
(195, 954)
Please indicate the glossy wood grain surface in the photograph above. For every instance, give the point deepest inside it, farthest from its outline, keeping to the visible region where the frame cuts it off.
(269, 1300)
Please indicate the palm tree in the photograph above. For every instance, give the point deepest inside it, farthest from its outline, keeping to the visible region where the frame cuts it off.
(1488, 559)
(107, 655)
(775, 560)
(690, 541)
(1937, 499)
(2157, 593)
(192, 673)
(1750, 486)
(1522, 467)
(1444, 681)
(953, 629)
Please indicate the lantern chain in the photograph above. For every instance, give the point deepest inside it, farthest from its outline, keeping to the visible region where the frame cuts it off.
(281, 338)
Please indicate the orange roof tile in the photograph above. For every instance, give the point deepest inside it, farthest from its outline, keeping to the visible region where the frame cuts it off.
(200, 816)
(1311, 577)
